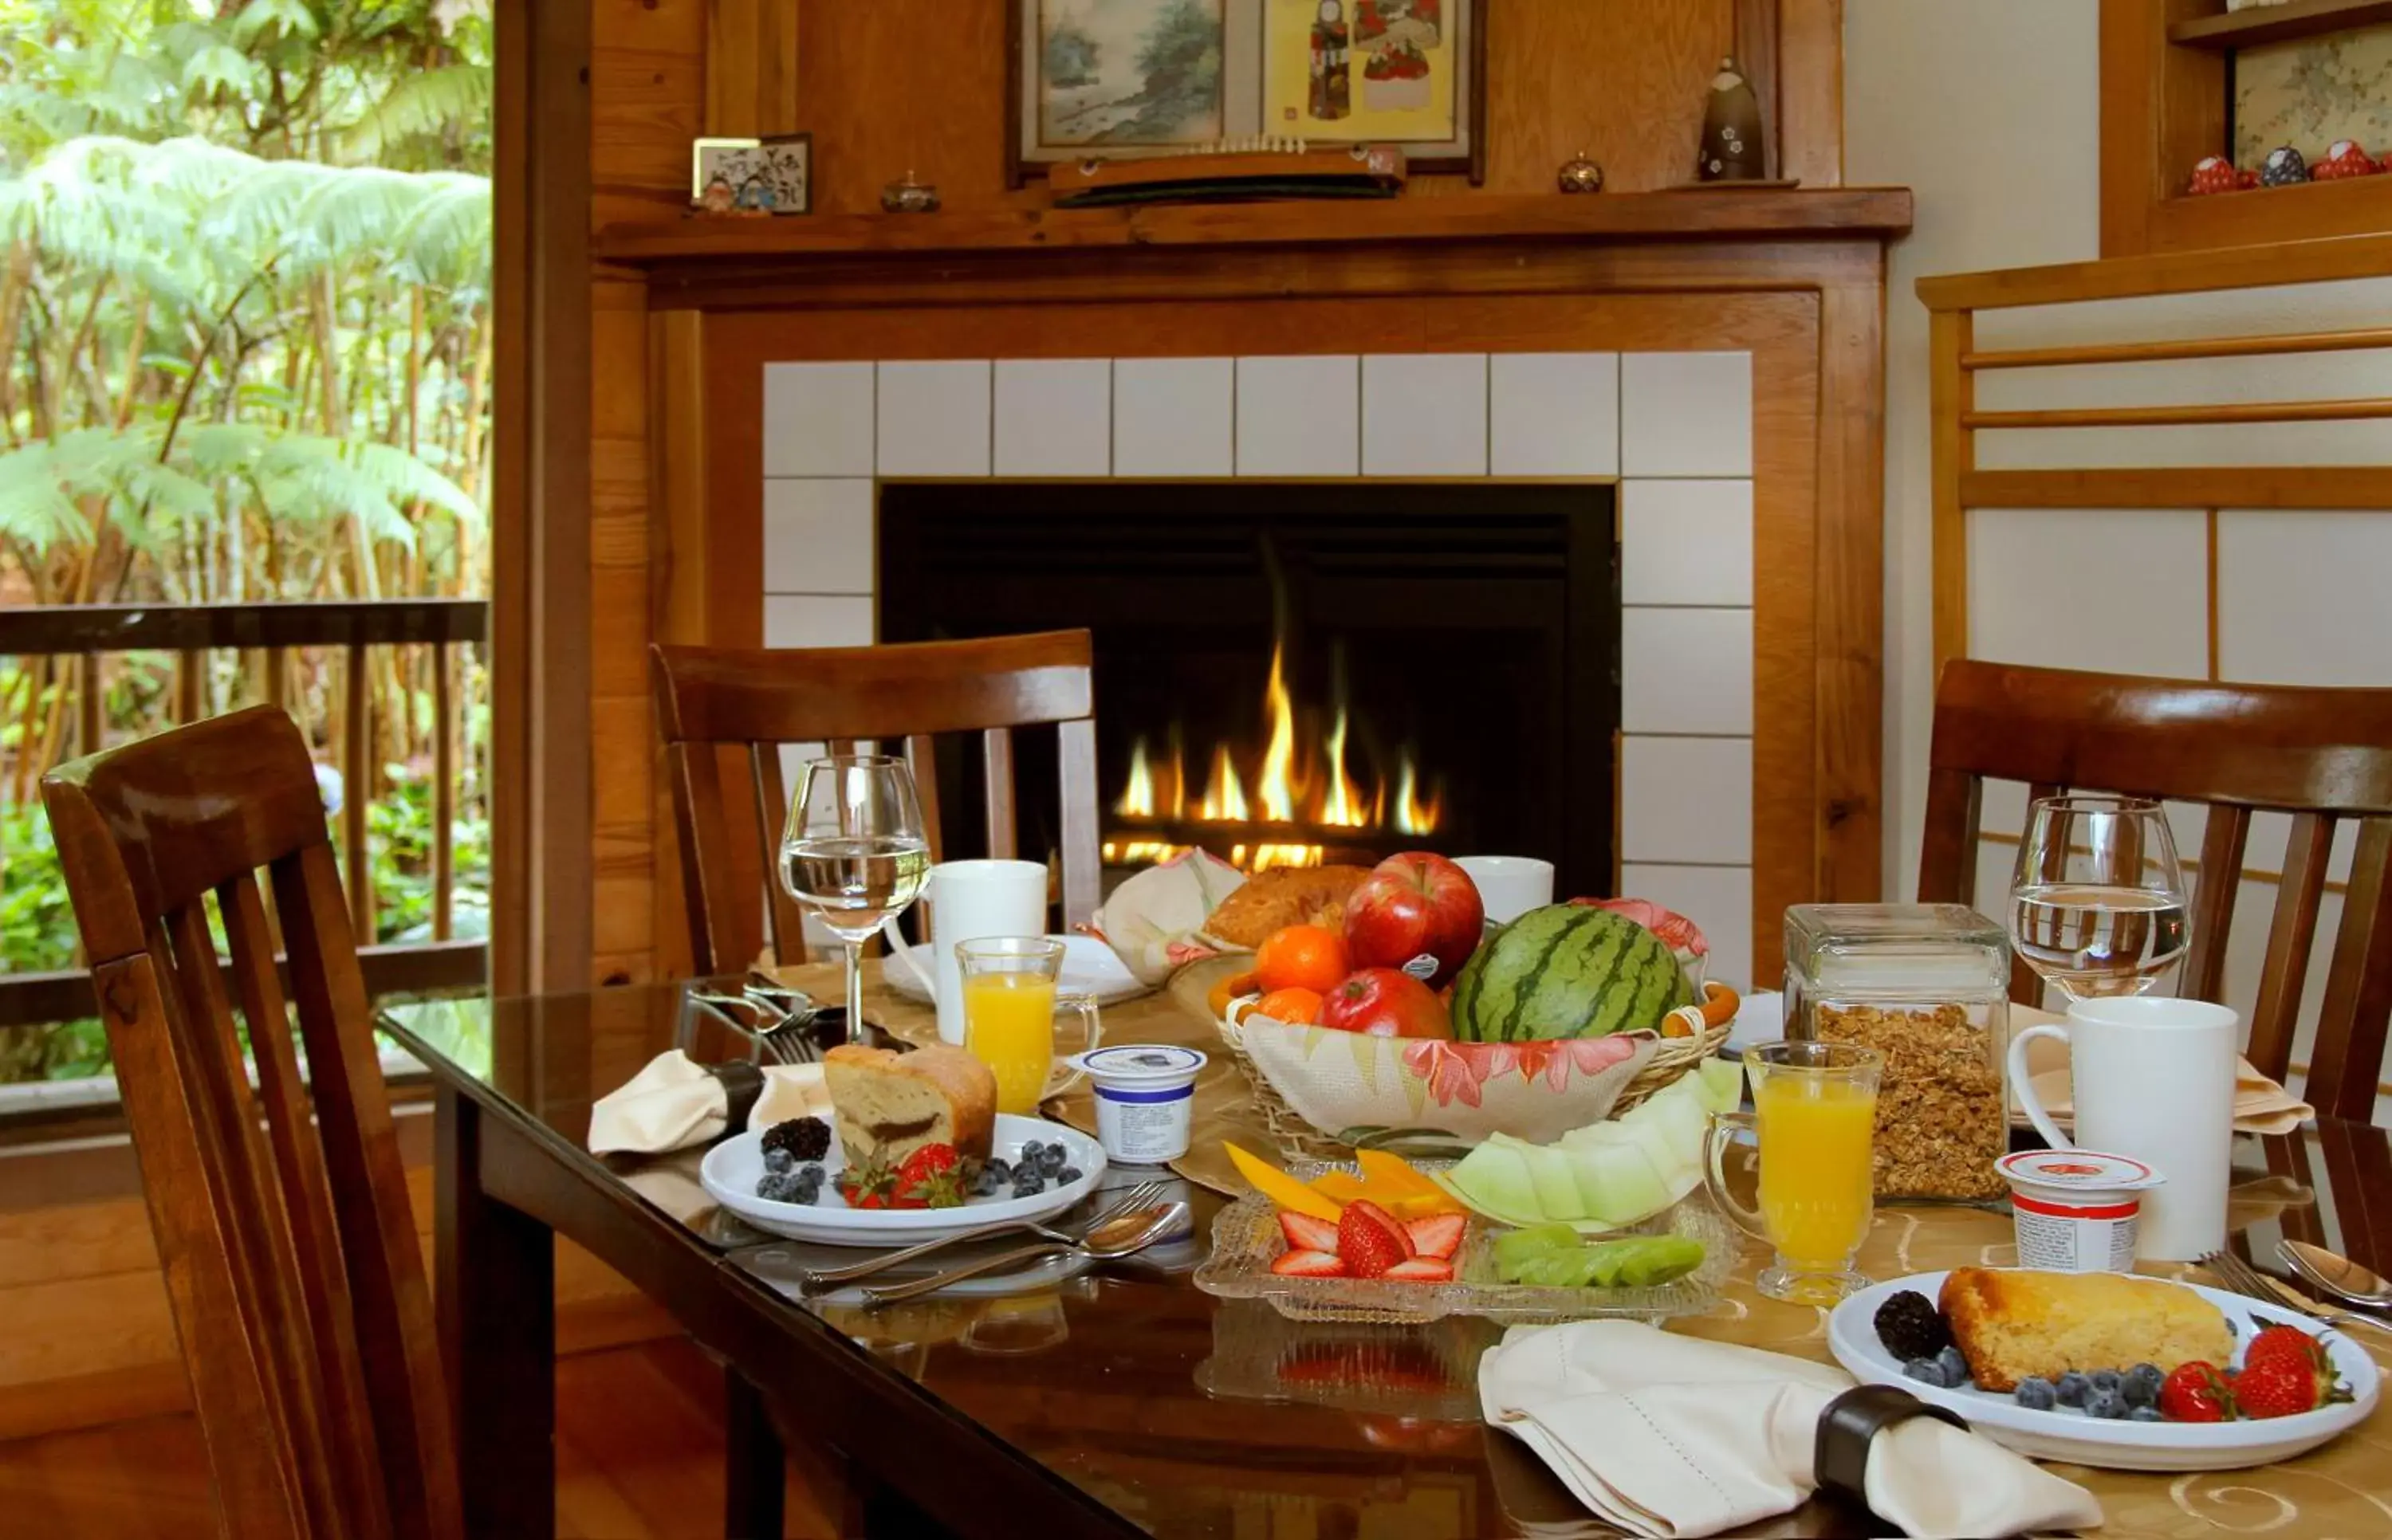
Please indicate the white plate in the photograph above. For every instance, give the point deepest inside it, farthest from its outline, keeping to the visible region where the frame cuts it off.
(2065, 1434)
(733, 1167)
(1090, 967)
(1760, 1017)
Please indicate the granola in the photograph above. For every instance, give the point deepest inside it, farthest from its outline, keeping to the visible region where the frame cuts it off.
(1941, 1118)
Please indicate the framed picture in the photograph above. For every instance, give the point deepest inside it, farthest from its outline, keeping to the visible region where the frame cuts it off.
(753, 177)
(1101, 77)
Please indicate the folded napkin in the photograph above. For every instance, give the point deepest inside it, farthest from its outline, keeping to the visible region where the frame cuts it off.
(2260, 1104)
(1670, 1436)
(676, 1102)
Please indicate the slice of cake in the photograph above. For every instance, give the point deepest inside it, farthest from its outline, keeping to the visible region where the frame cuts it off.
(886, 1106)
(2010, 1323)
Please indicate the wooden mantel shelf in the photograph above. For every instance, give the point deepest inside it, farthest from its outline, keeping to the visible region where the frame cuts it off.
(1694, 216)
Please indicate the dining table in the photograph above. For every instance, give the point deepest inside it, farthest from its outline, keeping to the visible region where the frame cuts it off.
(1122, 1400)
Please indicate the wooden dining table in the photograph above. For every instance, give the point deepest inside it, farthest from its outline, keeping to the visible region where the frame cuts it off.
(1124, 1400)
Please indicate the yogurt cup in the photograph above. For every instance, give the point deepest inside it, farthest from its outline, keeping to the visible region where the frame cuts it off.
(1144, 1093)
(2076, 1211)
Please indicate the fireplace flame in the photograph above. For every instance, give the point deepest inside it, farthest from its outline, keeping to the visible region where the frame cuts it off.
(1276, 787)
(1412, 816)
(1225, 795)
(1137, 798)
(1341, 803)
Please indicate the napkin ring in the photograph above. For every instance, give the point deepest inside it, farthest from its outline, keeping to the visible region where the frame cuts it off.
(743, 1086)
(1855, 1418)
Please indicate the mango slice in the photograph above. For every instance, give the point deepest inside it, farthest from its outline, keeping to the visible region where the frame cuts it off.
(1280, 1188)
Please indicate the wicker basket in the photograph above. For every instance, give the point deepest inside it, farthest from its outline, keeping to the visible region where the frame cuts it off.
(1298, 1139)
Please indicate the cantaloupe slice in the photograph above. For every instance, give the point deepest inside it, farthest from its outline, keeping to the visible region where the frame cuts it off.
(1280, 1188)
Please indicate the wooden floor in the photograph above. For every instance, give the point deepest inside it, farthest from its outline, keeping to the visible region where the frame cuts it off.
(639, 1457)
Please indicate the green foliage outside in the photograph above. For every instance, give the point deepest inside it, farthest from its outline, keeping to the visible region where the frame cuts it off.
(245, 354)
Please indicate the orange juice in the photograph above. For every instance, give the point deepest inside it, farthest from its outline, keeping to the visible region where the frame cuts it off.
(1816, 1178)
(1009, 1026)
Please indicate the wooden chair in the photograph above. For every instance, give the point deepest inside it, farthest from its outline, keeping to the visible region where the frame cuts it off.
(288, 1247)
(2320, 755)
(709, 698)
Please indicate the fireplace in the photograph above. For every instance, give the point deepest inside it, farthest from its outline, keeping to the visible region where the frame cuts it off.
(1293, 672)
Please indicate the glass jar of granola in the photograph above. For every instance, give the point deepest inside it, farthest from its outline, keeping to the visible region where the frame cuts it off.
(1925, 985)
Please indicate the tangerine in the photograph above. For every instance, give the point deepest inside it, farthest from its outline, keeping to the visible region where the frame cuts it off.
(1295, 1006)
(1302, 957)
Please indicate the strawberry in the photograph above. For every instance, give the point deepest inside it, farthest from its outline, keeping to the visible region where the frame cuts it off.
(2196, 1392)
(930, 1178)
(1438, 1236)
(2284, 1342)
(1306, 1233)
(1308, 1264)
(1421, 1270)
(2285, 1372)
(1369, 1239)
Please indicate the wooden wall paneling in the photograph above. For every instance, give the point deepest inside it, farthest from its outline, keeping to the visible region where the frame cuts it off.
(621, 732)
(907, 85)
(1756, 53)
(1952, 393)
(751, 65)
(647, 87)
(1626, 84)
(1811, 91)
(1849, 592)
(679, 579)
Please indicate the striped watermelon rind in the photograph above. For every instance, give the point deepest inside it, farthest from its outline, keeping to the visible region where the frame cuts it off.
(1567, 971)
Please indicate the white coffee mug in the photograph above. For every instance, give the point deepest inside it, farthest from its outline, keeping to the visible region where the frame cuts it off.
(1509, 886)
(2152, 1080)
(970, 901)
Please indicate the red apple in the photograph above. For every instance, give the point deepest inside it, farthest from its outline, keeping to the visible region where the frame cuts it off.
(1386, 1003)
(1414, 903)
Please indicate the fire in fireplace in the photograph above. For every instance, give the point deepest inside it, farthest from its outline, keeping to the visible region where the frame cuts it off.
(1293, 673)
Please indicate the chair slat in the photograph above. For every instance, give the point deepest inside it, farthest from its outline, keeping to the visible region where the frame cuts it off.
(1947, 858)
(2212, 919)
(785, 921)
(2346, 1064)
(2026, 985)
(996, 757)
(1082, 877)
(709, 889)
(922, 758)
(2289, 934)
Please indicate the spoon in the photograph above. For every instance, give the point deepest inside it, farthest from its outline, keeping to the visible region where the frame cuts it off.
(2337, 1275)
(1109, 1242)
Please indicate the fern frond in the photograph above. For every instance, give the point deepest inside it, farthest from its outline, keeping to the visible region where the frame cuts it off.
(426, 102)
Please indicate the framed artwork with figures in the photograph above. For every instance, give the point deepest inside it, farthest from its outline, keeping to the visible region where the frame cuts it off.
(1093, 79)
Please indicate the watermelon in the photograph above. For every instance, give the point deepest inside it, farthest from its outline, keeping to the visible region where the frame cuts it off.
(1567, 971)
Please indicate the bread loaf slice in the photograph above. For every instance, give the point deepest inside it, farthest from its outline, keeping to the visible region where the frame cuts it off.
(886, 1106)
(2009, 1323)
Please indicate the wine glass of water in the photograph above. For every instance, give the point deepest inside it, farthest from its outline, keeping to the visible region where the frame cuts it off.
(855, 853)
(2097, 905)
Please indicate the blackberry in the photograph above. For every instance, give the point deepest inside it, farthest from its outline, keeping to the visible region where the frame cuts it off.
(2109, 1406)
(2072, 1388)
(2035, 1394)
(779, 1160)
(1927, 1371)
(1910, 1326)
(1068, 1175)
(1956, 1368)
(2142, 1384)
(804, 1138)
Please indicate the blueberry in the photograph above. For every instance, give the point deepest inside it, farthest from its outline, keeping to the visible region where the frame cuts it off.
(1956, 1368)
(777, 1160)
(998, 1172)
(1050, 1160)
(2107, 1405)
(1029, 1148)
(2144, 1414)
(2035, 1394)
(2142, 1384)
(2106, 1379)
(1068, 1175)
(777, 1188)
(1927, 1371)
(2071, 1389)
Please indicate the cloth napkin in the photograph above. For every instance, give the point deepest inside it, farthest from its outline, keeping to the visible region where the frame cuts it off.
(2260, 1104)
(1670, 1437)
(676, 1102)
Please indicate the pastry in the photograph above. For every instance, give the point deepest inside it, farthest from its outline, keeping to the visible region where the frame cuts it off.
(886, 1106)
(1271, 902)
(2010, 1323)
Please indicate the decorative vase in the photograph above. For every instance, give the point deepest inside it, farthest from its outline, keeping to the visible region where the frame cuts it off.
(1731, 148)
(1582, 175)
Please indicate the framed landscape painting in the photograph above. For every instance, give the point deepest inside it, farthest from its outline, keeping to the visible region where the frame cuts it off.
(1100, 78)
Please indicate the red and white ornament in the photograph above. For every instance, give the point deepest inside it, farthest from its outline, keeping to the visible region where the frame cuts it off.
(2214, 174)
(2344, 159)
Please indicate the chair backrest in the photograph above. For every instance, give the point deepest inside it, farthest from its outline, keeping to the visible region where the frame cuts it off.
(289, 1246)
(756, 699)
(2320, 755)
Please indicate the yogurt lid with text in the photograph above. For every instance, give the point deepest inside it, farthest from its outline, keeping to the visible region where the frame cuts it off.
(2077, 1173)
(1130, 1063)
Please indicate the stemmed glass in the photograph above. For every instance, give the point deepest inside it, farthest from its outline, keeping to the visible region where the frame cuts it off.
(854, 853)
(2098, 905)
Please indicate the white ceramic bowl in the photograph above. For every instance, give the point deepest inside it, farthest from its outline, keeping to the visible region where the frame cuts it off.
(732, 1168)
(2065, 1434)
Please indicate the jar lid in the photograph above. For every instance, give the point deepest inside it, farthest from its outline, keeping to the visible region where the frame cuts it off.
(2081, 1171)
(1140, 1061)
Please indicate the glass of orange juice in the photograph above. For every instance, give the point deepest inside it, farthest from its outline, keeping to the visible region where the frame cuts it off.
(1815, 1119)
(1011, 1004)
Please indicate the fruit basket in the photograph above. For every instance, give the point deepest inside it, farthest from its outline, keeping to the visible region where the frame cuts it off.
(1247, 1239)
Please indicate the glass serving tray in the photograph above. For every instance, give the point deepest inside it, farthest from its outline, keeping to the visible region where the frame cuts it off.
(1247, 1239)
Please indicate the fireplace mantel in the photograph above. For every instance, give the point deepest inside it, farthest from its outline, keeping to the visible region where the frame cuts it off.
(736, 263)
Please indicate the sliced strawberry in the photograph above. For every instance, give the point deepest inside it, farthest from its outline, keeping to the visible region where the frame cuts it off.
(1437, 1236)
(1421, 1270)
(1308, 1264)
(1306, 1233)
(1370, 1240)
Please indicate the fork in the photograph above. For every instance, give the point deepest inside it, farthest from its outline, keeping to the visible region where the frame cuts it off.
(2243, 1278)
(1144, 1196)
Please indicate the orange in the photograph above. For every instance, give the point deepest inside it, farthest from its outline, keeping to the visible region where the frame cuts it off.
(1302, 957)
(1297, 1007)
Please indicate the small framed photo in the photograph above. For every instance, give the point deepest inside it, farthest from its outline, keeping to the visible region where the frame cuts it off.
(753, 177)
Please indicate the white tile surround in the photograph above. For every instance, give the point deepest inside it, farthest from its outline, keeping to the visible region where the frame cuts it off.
(1676, 428)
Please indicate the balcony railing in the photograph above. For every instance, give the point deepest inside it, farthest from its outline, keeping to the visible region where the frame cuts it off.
(79, 641)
